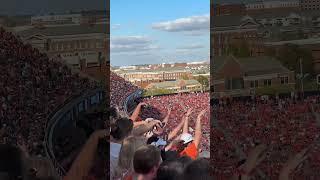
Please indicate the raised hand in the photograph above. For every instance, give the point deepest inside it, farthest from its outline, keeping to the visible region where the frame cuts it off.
(296, 160)
(202, 113)
(155, 121)
(254, 158)
(149, 134)
(189, 111)
(158, 130)
(101, 133)
(142, 104)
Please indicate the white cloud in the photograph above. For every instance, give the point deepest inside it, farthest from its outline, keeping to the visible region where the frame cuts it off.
(115, 26)
(131, 44)
(188, 24)
(191, 47)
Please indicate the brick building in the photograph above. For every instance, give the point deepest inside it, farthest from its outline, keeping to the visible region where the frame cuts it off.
(254, 30)
(232, 30)
(143, 78)
(228, 9)
(242, 76)
(82, 47)
(177, 86)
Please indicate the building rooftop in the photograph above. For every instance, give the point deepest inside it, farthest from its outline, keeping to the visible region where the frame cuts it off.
(168, 69)
(308, 41)
(252, 66)
(234, 20)
(167, 84)
(65, 30)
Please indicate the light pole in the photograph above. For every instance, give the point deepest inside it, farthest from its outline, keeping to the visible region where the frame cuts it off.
(302, 76)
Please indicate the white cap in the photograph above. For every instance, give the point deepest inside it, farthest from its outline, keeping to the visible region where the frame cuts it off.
(186, 138)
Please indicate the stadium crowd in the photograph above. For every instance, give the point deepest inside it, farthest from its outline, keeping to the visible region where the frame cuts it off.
(140, 148)
(119, 90)
(249, 139)
(286, 126)
(32, 87)
(178, 104)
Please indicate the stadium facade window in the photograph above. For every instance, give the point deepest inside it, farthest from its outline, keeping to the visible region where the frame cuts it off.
(93, 100)
(267, 82)
(284, 80)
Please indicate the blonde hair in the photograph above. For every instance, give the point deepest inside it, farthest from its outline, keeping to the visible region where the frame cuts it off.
(128, 148)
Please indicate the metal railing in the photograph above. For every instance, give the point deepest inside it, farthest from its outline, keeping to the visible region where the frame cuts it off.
(129, 99)
(56, 116)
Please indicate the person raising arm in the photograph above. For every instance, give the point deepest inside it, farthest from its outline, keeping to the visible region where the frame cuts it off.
(198, 130)
(292, 164)
(136, 112)
(176, 130)
(81, 166)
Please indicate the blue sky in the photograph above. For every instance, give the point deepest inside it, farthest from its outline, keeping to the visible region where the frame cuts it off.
(150, 31)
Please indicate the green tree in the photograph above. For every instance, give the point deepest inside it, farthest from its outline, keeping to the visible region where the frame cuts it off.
(185, 77)
(290, 55)
(240, 49)
(203, 81)
(157, 91)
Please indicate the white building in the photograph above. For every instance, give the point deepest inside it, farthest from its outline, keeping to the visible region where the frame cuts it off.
(75, 44)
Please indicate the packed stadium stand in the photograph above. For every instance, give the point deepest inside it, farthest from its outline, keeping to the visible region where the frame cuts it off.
(287, 125)
(40, 98)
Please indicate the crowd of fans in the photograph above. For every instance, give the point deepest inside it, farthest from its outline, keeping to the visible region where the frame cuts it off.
(178, 104)
(119, 90)
(32, 87)
(285, 125)
(261, 137)
(148, 145)
(141, 149)
(163, 137)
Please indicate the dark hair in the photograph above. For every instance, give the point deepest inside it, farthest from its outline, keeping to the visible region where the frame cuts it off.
(113, 112)
(198, 169)
(170, 170)
(11, 161)
(121, 128)
(170, 156)
(185, 160)
(152, 139)
(180, 146)
(146, 158)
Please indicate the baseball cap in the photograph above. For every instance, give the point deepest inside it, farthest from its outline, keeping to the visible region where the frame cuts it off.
(186, 138)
